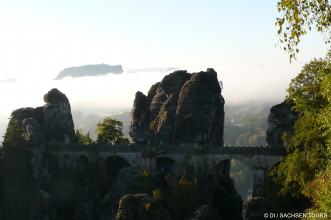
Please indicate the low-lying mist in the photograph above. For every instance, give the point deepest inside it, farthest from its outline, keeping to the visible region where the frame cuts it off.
(245, 88)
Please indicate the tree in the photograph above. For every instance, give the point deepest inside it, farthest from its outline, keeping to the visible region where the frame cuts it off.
(110, 132)
(17, 171)
(184, 194)
(299, 16)
(307, 146)
(320, 186)
(80, 138)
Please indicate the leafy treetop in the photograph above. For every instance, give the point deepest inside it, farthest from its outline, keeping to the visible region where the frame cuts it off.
(299, 16)
(110, 132)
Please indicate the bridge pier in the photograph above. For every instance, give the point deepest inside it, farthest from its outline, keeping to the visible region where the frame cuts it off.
(258, 182)
(148, 163)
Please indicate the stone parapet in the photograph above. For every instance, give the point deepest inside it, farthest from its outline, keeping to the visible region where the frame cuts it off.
(151, 151)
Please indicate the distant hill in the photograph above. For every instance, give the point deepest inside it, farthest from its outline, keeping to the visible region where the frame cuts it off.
(89, 70)
(8, 81)
(156, 69)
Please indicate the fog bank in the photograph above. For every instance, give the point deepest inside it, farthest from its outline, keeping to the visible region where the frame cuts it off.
(114, 93)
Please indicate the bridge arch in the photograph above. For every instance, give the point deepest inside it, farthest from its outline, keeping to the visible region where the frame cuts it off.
(165, 165)
(111, 167)
(173, 163)
(217, 159)
(82, 161)
(273, 163)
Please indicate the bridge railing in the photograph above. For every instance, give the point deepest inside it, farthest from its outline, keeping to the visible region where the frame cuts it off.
(150, 150)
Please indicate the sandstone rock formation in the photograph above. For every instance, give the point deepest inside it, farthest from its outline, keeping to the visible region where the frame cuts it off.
(109, 206)
(89, 70)
(141, 207)
(84, 204)
(42, 207)
(205, 212)
(281, 119)
(183, 109)
(218, 192)
(129, 181)
(54, 119)
(49, 123)
(255, 208)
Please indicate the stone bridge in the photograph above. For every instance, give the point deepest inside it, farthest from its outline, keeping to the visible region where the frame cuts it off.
(208, 159)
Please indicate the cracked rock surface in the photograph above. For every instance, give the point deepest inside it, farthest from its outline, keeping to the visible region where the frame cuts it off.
(183, 109)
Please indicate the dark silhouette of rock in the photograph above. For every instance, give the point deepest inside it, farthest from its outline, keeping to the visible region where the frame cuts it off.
(109, 206)
(141, 207)
(33, 133)
(34, 136)
(84, 204)
(174, 214)
(129, 181)
(255, 208)
(206, 212)
(219, 192)
(281, 119)
(183, 109)
(42, 207)
(89, 70)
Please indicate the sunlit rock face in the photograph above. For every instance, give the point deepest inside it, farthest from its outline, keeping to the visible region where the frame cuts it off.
(183, 109)
(281, 119)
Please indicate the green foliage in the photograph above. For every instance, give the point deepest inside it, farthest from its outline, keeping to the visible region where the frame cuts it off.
(305, 171)
(184, 194)
(110, 132)
(305, 89)
(320, 189)
(284, 203)
(80, 138)
(146, 182)
(158, 194)
(251, 133)
(307, 145)
(17, 171)
(299, 16)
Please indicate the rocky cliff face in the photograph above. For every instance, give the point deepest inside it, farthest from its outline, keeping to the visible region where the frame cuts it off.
(281, 119)
(183, 109)
(51, 122)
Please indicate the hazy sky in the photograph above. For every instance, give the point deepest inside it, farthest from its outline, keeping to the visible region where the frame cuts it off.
(38, 39)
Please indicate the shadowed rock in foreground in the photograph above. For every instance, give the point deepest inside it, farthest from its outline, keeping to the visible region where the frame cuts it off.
(89, 70)
(206, 212)
(255, 208)
(141, 207)
(183, 109)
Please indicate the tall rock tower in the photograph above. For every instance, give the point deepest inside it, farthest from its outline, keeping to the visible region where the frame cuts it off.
(49, 123)
(182, 110)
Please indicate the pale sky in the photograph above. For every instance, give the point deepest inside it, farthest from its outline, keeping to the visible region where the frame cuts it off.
(38, 39)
